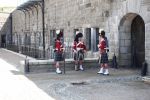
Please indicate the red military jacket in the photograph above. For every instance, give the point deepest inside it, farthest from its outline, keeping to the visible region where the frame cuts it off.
(102, 45)
(74, 46)
(79, 45)
(58, 46)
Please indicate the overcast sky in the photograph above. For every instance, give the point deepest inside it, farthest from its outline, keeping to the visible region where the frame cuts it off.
(8, 3)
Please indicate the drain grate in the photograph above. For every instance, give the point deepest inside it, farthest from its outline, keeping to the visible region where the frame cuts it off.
(79, 83)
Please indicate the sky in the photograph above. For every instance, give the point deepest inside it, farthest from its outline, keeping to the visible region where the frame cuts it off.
(11, 3)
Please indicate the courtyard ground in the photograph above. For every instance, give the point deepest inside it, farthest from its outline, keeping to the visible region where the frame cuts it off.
(122, 84)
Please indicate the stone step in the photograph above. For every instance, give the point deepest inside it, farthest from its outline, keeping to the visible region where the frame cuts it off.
(40, 66)
(146, 79)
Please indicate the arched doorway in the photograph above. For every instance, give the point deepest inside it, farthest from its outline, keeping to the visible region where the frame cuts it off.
(3, 40)
(131, 40)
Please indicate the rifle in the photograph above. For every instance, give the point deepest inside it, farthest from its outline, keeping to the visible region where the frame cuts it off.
(64, 54)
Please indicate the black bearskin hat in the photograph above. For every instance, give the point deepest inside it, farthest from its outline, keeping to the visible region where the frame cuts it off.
(59, 34)
(79, 35)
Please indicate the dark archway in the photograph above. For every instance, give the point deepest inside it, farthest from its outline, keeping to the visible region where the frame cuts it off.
(131, 40)
(138, 41)
(3, 40)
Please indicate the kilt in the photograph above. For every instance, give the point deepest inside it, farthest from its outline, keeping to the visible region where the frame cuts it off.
(79, 56)
(104, 58)
(58, 56)
(75, 55)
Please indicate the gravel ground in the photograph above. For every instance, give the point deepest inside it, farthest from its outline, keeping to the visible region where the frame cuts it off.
(90, 86)
(122, 84)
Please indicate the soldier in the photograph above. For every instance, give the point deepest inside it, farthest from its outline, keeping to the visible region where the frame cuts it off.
(79, 49)
(103, 52)
(58, 51)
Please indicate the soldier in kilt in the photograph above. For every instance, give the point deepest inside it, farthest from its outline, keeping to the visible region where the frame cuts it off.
(104, 56)
(79, 49)
(58, 51)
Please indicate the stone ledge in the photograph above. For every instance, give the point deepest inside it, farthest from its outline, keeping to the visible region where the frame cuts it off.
(38, 66)
(51, 61)
(146, 79)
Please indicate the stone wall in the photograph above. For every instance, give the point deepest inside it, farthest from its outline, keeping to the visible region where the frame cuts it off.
(4, 14)
(60, 14)
(76, 14)
(5, 32)
(129, 9)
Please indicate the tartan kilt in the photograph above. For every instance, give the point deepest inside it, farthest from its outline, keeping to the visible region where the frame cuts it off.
(75, 55)
(58, 56)
(104, 58)
(80, 55)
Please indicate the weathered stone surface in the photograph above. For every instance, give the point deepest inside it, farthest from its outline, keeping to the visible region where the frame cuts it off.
(125, 50)
(125, 56)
